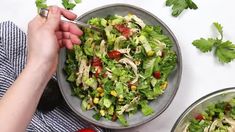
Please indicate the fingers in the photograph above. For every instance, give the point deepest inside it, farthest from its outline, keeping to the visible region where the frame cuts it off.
(70, 27)
(67, 35)
(66, 39)
(68, 14)
(67, 43)
(53, 18)
(36, 22)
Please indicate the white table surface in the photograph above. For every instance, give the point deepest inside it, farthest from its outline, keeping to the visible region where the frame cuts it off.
(202, 73)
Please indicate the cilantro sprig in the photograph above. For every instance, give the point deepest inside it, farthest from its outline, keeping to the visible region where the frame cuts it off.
(223, 50)
(70, 5)
(178, 6)
(66, 3)
(41, 4)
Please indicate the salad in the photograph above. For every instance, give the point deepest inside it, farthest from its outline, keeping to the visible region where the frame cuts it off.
(219, 117)
(123, 73)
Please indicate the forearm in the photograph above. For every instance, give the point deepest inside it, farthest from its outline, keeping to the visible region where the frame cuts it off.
(19, 103)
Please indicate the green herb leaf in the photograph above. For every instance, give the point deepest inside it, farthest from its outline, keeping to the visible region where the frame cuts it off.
(41, 4)
(191, 4)
(204, 45)
(78, 1)
(178, 6)
(225, 52)
(97, 116)
(219, 27)
(67, 5)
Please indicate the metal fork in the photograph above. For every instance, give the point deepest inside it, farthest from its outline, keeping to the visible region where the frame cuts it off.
(43, 12)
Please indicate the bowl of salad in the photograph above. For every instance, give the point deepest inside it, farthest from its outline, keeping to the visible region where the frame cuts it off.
(127, 77)
(214, 112)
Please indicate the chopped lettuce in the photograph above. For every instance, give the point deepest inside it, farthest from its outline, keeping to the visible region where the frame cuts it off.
(115, 87)
(145, 108)
(122, 120)
(218, 117)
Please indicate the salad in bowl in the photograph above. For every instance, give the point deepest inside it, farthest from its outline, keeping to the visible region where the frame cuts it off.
(124, 78)
(120, 74)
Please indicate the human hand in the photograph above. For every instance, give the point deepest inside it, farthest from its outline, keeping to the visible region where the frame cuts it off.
(47, 36)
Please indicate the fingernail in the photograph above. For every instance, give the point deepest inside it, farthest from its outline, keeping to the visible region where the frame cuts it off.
(54, 9)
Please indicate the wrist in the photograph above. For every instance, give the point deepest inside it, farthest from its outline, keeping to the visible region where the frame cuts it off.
(40, 68)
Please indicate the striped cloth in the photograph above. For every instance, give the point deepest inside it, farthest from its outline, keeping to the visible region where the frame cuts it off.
(12, 61)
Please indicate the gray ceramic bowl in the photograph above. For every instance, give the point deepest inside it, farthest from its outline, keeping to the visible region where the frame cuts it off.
(200, 105)
(158, 105)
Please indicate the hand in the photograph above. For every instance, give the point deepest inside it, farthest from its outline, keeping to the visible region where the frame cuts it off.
(47, 36)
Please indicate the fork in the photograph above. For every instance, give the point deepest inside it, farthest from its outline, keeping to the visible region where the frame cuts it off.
(43, 12)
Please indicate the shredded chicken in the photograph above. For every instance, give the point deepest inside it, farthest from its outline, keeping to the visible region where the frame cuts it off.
(85, 76)
(161, 46)
(80, 72)
(232, 123)
(126, 52)
(134, 68)
(126, 106)
(102, 47)
(117, 42)
(136, 19)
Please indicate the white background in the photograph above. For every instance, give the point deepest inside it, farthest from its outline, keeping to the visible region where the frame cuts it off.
(202, 73)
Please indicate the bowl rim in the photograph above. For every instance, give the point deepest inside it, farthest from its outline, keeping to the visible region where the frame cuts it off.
(179, 68)
(199, 101)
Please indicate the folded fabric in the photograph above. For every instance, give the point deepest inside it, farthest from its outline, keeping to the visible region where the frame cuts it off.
(12, 60)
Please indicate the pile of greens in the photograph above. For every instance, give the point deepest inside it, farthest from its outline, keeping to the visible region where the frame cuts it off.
(219, 117)
(224, 50)
(120, 75)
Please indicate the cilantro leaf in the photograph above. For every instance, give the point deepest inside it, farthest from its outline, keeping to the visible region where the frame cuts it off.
(68, 5)
(204, 45)
(41, 4)
(178, 6)
(219, 27)
(191, 4)
(225, 52)
(170, 2)
(78, 1)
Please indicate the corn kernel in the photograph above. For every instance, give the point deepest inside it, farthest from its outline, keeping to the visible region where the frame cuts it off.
(133, 87)
(121, 96)
(102, 112)
(96, 100)
(120, 99)
(150, 53)
(100, 90)
(137, 62)
(164, 85)
(88, 106)
(114, 93)
(101, 94)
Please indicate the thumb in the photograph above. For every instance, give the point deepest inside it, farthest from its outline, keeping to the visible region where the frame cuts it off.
(53, 18)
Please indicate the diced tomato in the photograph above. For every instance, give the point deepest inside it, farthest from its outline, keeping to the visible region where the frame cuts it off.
(199, 117)
(157, 74)
(98, 70)
(114, 54)
(125, 31)
(86, 130)
(96, 61)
